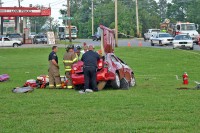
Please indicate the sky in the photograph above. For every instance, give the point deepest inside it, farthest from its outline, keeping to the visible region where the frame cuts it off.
(56, 5)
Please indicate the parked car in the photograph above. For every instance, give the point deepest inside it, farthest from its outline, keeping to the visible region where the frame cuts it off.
(111, 69)
(15, 36)
(32, 35)
(96, 36)
(6, 42)
(40, 39)
(161, 39)
(149, 33)
(183, 41)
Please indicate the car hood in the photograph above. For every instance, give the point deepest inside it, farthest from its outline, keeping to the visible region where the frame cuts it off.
(166, 37)
(182, 40)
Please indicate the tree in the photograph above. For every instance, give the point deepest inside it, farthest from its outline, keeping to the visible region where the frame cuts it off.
(148, 15)
(37, 22)
(177, 10)
(162, 9)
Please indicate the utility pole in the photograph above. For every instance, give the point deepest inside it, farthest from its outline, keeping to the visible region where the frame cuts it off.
(137, 20)
(19, 19)
(69, 21)
(1, 19)
(92, 17)
(116, 25)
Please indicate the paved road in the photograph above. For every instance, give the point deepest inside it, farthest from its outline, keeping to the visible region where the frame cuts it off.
(122, 42)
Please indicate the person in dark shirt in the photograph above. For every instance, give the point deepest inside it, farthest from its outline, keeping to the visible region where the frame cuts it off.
(54, 74)
(90, 59)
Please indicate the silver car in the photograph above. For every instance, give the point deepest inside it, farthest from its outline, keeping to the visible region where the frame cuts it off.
(183, 41)
(40, 39)
(15, 37)
(161, 39)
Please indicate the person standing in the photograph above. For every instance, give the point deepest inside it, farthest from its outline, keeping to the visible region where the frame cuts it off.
(69, 59)
(54, 74)
(78, 52)
(90, 59)
(85, 48)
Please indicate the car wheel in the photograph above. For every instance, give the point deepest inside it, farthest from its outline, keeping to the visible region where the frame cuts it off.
(15, 45)
(152, 44)
(191, 48)
(160, 43)
(133, 81)
(116, 83)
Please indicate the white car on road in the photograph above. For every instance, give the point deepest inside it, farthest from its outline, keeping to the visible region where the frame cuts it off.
(183, 41)
(6, 42)
(161, 39)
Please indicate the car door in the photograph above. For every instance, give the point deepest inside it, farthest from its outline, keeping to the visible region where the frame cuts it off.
(7, 42)
(108, 40)
(116, 64)
(127, 72)
(153, 38)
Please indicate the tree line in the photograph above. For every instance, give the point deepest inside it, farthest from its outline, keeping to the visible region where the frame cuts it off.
(151, 14)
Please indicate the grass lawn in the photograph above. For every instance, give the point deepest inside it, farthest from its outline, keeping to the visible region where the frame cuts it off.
(154, 105)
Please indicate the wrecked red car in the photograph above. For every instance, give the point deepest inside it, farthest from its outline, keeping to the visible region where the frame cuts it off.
(111, 70)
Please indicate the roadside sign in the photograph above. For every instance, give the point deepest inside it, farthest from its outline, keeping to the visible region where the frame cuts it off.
(6, 20)
(66, 18)
(9, 24)
(51, 38)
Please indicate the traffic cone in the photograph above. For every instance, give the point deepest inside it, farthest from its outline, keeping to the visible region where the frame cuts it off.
(140, 44)
(129, 44)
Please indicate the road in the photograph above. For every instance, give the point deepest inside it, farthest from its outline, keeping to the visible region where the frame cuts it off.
(122, 42)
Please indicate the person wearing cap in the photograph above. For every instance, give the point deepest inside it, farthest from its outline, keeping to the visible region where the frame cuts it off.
(53, 71)
(90, 59)
(78, 52)
(69, 59)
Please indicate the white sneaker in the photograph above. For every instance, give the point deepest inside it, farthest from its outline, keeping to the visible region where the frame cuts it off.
(82, 92)
(88, 90)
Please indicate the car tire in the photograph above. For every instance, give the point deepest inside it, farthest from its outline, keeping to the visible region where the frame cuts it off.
(132, 82)
(160, 43)
(192, 48)
(173, 46)
(15, 45)
(152, 44)
(116, 82)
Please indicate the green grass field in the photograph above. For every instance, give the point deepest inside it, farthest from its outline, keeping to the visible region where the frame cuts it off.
(154, 105)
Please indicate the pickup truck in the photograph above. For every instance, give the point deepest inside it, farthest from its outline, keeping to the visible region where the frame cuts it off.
(150, 33)
(6, 42)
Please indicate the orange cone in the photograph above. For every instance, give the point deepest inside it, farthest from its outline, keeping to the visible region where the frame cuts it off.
(140, 44)
(129, 44)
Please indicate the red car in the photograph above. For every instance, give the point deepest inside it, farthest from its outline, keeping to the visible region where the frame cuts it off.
(110, 68)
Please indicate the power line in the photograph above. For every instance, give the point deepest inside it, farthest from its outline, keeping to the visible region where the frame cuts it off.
(58, 3)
